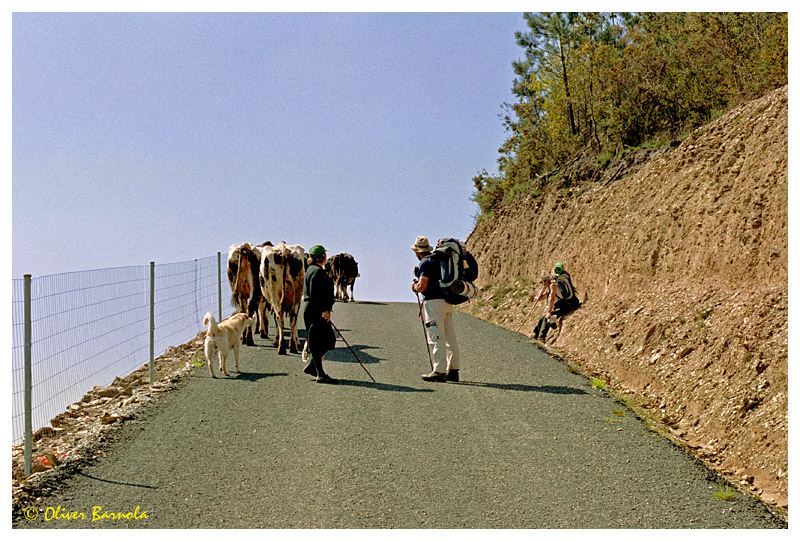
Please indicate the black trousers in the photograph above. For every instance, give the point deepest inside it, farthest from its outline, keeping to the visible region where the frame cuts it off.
(561, 308)
(319, 335)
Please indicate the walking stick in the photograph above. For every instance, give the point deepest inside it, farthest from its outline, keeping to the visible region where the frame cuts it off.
(425, 334)
(526, 319)
(354, 353)
(534, 306)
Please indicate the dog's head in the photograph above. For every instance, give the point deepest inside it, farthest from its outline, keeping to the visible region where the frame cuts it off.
(241, 318)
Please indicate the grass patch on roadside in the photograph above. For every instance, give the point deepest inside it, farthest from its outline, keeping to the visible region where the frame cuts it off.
(597, 383)
(197, 362)
(724, 492)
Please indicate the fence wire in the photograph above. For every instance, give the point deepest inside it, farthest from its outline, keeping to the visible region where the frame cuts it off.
(90, 327)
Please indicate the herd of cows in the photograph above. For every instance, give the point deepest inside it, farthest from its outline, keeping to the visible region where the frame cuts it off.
(268, 279)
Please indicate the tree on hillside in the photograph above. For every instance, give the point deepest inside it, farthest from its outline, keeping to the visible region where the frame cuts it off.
(607, 82)
(547, 47)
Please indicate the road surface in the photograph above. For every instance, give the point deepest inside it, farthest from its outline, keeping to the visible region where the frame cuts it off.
(520, 442)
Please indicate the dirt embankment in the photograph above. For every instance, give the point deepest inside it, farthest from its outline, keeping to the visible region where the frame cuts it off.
(682, 256)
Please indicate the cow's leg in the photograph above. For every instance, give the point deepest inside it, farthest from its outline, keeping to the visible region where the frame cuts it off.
(263, 321)
(236, 355)
(252, 309)
(351, 292)
(294, 340)
(247, 335)
(241, 306)
(281, 342)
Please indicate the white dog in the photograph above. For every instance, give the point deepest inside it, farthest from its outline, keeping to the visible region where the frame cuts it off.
(224, 337)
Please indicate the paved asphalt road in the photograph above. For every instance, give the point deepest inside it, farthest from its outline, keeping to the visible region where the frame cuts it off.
(520, 442)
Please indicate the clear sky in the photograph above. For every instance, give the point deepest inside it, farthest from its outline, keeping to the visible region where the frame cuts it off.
(141, 137)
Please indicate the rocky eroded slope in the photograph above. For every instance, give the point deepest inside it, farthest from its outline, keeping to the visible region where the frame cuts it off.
(681, 254)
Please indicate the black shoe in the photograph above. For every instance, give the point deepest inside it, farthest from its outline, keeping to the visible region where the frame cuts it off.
(434, 376)
(310, 370)
(452, 375)
(324, 378)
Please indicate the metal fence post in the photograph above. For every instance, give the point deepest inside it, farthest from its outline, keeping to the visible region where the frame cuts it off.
(152, 318)
(219, 283)
(28, 382)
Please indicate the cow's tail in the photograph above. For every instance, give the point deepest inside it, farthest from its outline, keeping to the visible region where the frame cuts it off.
(209, 320)
(235, 292)
(283, 288)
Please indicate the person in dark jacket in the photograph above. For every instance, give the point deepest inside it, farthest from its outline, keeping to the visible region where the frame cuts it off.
(318, 287)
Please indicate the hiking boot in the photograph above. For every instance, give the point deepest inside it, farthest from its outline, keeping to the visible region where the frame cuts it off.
(310, 370)
(324, 378)
(434, 376)
(452, 375)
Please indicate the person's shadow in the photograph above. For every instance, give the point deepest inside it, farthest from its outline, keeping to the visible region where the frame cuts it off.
(521, 387)
(381, 386)
(345, 354)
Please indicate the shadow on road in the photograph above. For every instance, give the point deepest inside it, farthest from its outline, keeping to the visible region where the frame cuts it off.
(256, 376)
(521, 387)
(240, 376)
(344, 355)
(382, 386)
(115, 482)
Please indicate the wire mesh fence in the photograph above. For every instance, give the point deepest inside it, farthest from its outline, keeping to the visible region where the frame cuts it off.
(89, 327)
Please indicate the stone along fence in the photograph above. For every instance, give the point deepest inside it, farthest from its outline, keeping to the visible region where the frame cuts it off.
(74, 331)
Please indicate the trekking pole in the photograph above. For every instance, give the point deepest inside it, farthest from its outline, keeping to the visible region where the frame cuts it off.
(526, 319)
(354, 353)
(529, 312)
(425, 334)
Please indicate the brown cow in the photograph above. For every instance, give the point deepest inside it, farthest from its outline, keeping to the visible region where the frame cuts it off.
(244, 262)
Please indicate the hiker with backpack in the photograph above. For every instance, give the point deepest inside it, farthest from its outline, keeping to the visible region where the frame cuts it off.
(440, 331)
(444, 277)
(561, 300)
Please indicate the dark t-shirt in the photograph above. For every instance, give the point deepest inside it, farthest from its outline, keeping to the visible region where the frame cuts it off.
(433, 272)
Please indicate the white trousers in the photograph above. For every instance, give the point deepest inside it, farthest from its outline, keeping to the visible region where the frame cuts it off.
(441, 335)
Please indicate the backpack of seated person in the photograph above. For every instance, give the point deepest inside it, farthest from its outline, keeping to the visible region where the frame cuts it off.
(565, 288)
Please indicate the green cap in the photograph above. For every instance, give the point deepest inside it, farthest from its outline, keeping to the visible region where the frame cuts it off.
(559, 268)
(316, 250)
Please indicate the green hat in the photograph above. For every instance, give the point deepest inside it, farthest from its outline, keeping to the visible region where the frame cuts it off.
(559, 268)
(316, 250)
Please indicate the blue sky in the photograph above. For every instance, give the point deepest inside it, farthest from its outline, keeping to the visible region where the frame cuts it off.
(143, 137)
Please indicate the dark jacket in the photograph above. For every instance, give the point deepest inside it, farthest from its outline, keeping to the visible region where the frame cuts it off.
(318, 288)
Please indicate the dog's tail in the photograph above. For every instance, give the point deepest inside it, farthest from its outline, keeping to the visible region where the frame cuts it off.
(211, 322)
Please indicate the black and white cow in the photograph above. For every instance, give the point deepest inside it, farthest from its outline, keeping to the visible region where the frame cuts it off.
(343, 269)
(281, 279)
